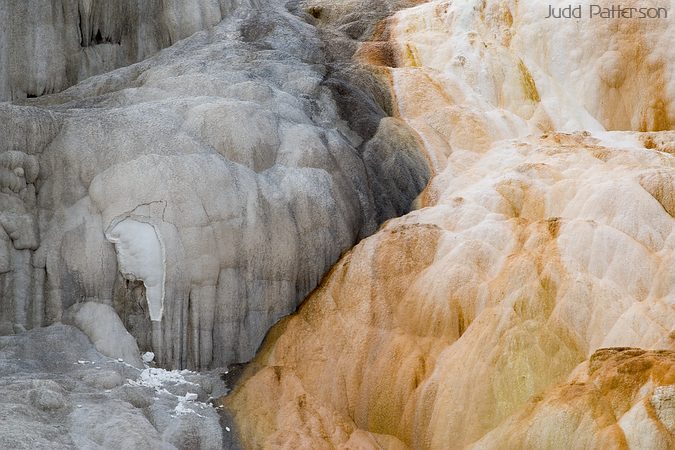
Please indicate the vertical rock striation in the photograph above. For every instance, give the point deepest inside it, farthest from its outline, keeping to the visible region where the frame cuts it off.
(49, 45)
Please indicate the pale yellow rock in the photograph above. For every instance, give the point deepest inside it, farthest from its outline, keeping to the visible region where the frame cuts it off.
(613, 408)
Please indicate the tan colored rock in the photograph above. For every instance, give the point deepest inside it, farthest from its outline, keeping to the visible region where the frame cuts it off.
(621, 402)
(451, 318)
(479, 319)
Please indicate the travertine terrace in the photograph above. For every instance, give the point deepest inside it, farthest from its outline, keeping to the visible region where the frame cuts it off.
(530, 301)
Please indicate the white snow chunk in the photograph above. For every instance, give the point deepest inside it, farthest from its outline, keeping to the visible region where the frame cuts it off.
(157, 378)
(148, 357)
(140, 256)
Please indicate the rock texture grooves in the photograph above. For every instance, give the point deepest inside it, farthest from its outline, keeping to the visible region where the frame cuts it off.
(204, 191)
(530, 301)
(49, 45)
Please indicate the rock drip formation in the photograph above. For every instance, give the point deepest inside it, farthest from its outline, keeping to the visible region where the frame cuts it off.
(47, 46)
(203, 192)
(530, 302)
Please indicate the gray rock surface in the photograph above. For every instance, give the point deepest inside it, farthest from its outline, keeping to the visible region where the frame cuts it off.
(57, 391)
(105, 330)
(203, 192)
(49, 45)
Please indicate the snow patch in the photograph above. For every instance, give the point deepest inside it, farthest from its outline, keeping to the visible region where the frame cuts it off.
(158, 378)
(148, 357)
(181, 408)
(140, 256)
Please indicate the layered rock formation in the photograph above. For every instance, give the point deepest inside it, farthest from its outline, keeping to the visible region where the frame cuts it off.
(47, 46)
(202, 192)
(530, 302)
